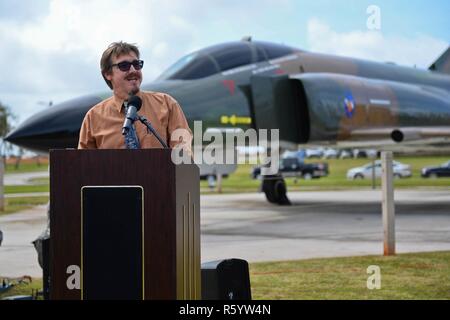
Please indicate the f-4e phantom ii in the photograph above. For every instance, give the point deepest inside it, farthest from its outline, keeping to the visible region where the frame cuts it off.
(311, 98)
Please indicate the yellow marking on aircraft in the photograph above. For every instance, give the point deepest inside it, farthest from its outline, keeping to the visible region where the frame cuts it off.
(233, 120)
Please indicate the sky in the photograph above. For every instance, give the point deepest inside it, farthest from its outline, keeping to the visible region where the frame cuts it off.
(50, 49)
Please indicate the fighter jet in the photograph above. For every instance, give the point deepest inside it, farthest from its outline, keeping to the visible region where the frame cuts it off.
(311, 98)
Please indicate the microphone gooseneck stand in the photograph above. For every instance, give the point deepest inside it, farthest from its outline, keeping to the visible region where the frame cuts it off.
(152, 130)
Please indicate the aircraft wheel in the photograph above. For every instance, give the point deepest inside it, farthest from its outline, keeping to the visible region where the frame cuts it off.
(275, 190)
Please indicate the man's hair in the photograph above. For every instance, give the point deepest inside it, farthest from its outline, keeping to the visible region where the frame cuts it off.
(115, 49)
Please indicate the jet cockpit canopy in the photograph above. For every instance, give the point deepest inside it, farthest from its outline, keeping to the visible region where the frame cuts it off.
(222, 57)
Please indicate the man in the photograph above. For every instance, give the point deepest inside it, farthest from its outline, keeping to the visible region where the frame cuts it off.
(102, 125)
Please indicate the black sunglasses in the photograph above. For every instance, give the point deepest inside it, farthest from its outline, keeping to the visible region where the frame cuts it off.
(126, 65)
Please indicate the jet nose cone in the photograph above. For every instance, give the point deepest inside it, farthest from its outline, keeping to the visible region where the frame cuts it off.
(29, 135)
(10, 136)
(38, 133)
(13, 135)
(54, 128)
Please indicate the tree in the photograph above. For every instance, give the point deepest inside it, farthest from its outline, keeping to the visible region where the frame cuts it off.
(5, 127)
(5, 116)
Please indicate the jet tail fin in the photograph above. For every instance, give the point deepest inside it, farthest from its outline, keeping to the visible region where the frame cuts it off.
(442, 64)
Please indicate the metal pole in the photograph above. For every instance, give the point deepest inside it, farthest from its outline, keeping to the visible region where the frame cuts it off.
(388, 203)
(373, 174)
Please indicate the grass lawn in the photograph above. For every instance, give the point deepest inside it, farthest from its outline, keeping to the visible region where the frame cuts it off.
(23, 288)
(27, 166)
(404, 276)
(417, 276)
(13, 205)
(27, 188)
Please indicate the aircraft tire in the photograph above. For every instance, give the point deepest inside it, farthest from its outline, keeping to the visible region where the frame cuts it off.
(275, 190)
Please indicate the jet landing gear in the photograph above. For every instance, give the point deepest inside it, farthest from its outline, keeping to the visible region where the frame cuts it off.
(275, 189)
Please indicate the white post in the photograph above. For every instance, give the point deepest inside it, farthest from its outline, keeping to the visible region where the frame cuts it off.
(2, 194)
(373, 174)
(388, 203)
(219, 182)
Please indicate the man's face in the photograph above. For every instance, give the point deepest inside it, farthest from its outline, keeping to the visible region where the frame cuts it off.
(124, 82)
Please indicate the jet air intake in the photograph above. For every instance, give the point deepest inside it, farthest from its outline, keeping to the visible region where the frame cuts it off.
(279, 103)
(326, 107)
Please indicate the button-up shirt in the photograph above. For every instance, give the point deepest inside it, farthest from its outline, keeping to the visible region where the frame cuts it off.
(102, 125)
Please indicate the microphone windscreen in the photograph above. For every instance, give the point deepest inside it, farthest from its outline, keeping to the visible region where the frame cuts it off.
(135, 101)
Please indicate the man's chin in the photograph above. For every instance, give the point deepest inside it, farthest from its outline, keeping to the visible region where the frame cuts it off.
(133, 91)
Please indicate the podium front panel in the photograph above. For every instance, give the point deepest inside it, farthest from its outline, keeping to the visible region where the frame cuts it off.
(112, 243)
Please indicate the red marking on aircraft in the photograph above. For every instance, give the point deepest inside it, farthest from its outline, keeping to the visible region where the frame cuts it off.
(230, 85)
(280, 71)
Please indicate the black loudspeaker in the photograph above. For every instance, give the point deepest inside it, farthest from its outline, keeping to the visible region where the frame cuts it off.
(46, 268)
(42, 245)
(226, 280)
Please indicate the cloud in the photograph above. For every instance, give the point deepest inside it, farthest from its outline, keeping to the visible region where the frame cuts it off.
(55, 56)
(23, 10)
(51, 48)
(420, 50)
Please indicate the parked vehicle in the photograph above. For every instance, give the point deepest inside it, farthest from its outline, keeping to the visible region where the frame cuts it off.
(300, 154)
(365, 153)
(439, 171)
(329, 153)
(400, 170)
(295, 167)
(345, 154)
(314, 153)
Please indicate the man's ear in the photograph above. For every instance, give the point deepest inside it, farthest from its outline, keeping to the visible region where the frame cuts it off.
(108, 75)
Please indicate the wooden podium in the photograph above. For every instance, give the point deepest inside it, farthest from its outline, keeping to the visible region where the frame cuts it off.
(124, 224)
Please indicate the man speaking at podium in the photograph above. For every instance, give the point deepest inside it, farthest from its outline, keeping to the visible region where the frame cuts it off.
(103, 125)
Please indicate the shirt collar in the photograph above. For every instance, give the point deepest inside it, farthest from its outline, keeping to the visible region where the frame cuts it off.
(118, 102)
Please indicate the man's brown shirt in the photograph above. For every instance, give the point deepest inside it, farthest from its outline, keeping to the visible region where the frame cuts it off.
(102, 125)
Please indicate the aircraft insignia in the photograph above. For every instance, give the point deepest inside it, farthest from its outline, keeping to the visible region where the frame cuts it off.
(349, 105)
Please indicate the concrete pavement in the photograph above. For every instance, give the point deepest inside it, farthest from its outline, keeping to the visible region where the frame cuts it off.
(17, 254)
(321, 224)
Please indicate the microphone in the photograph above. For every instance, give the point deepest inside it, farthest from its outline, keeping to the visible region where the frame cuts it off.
(134, 105)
